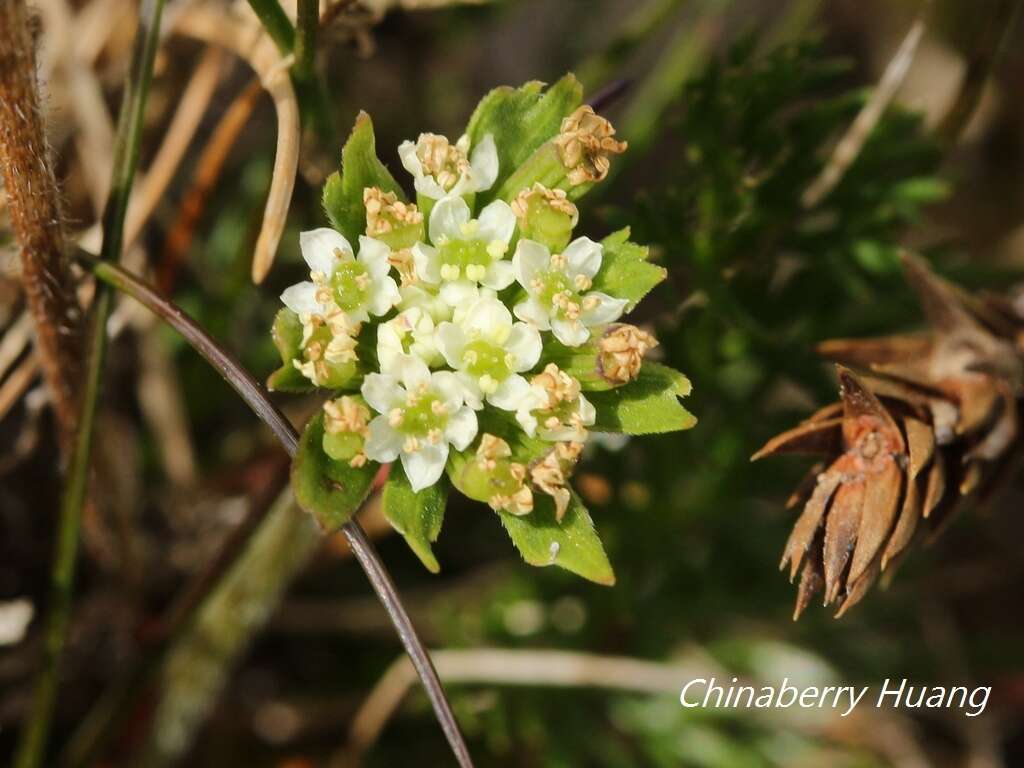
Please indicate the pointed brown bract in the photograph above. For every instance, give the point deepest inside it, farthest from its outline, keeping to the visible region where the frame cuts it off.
(925, 421)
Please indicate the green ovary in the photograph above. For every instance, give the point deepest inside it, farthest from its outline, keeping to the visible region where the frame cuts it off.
(482, 358)
(553, 283)
(458, 255)
(342, 446)
(350, 282)
(418, 420)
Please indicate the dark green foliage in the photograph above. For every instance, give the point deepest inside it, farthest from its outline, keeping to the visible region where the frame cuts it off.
(417, 516)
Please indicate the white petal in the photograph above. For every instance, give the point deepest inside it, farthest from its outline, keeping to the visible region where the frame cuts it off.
(534, 313)
(410, 160)
(318, 247)
(450, 343)
(500, 275)
(490, 318)
(607, 309)
(301, 299)
(459, 293)
(448, 386)
(497, 222)
(524, 345)
(511, 394)
(530, 258)
(587, 411)
(425, 466)
(583, 257)
(447, 218)
(461, 428)
(428, 263)
(571, 333)
(383, 295)
(527, 421)
(484, 163)
(469, 388)
(412, 372)
(381, 392)
(384, 441)
(373, 254)
(428, 187)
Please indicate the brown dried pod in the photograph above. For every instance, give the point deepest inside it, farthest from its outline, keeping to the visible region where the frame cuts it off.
(929, 420)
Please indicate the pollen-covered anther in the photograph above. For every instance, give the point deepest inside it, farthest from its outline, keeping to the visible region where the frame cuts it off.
(402, 261)
(621, 352)
(556, 199)
(550, 474)
(558, 385)
(385, 212)
(450, 272)
(438, 408)
(585, 142)
(435, 436)
(441, 159)
(582, 282)
(346, 415)
(395, 417)
(411, 445)
(518, 503)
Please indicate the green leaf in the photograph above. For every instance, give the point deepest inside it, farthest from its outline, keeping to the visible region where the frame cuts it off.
(521, 120)
(649, 405)
(287, 336)
(417, 516)
(625, 271)
(572, 544)
(360, 168)
(331, 491)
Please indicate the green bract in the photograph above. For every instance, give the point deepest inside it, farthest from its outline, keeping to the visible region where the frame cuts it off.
(473, 338)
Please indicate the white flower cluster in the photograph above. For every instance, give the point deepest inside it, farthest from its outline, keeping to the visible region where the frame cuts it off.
(455, 308)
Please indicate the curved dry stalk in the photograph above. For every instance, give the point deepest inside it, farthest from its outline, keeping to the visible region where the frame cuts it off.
(18, 382)
(35, 212)
(252, 392)
(248, 42)
(851, 143)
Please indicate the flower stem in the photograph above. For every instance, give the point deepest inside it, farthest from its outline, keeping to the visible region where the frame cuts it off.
(252, 392)
(32, 748)
(276, 22)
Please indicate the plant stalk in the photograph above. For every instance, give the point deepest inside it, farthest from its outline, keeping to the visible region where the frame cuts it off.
(255, 397)
(32, 748)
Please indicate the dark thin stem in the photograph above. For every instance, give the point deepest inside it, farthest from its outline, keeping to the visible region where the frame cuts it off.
(129, 131)
(256, 398)
(609, 94)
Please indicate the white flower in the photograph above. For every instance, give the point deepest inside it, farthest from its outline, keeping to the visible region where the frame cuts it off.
(558, 285)
(556, 408)
(409, 332)
(467, 251)
(422, 413)
(440, 168)
(489, 352)
(358, 286)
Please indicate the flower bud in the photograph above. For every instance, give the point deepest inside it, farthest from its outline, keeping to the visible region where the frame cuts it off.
(621, 351)
(491, 476)
(584, 143)
(550, 474)
(346, 427)
(545, 215)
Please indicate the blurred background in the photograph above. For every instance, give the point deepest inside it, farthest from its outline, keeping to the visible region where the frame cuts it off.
(731, 109)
